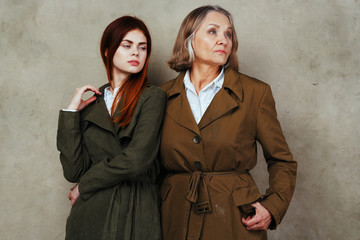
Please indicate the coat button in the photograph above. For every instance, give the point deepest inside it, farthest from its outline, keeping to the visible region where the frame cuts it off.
(197, 139)
(198, 165)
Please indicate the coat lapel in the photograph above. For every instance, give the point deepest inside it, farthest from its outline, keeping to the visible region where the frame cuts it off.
(178, 107)
(117, 114)
(225, 100)
(221, 104)
(97, 113)
(125, 132)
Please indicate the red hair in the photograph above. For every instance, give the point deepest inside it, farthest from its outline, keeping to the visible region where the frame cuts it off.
(132, 88)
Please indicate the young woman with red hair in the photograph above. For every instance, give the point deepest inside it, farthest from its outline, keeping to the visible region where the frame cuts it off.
(109, 143)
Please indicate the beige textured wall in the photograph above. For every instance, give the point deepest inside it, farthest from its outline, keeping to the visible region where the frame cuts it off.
(308, 51)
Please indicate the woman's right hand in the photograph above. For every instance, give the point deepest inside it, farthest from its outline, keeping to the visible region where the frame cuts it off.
(74, 194)
(77, 103)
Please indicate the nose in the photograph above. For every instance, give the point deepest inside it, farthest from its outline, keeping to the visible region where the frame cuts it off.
(135, 52)
(222, 40)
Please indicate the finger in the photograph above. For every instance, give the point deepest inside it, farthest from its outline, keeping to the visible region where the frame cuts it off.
(256, 205)
(73, 187)
(245, 220)
(252, 221)
(91, 88)
(258, 226)
(261, 225)
(76, 102)
(79, 92)
(90, 100)
(97, 91)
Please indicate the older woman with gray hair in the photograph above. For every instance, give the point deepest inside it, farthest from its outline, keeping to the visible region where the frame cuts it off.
(214, 118)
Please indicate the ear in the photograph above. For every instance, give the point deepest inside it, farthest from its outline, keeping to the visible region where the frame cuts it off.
(106, 51)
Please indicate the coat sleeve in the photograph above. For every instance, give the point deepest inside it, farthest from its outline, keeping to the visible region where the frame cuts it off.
(137, 157)
(281, 166)
(74, 159)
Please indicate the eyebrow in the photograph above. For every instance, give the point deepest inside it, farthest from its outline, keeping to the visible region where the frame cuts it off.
(217, 26)
(129, 41)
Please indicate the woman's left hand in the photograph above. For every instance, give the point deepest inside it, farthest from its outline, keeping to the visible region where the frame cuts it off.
(260, 221)
(74, 194)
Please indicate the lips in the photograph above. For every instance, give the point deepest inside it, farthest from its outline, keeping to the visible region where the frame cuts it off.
(221, 51)
(134, 62)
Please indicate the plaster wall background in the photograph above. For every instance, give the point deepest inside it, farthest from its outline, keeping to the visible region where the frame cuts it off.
(308, 51)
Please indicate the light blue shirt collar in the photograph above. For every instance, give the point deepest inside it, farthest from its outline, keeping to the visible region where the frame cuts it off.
(199, 103)
(218, 82)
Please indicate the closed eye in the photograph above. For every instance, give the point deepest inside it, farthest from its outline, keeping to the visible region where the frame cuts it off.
(142, 47)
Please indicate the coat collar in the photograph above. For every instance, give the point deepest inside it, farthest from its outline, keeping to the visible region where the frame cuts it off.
(98, 114)
(177, 86)
(178, 106)
(233, 83)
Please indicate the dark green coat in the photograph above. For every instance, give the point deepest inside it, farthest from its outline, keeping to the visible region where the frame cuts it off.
(116, 169)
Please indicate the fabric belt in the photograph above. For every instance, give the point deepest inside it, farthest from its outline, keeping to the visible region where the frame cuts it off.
(198, 201)
(196, 178)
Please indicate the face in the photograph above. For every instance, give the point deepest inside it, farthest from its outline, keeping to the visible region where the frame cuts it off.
(213, 40)
(131, 55)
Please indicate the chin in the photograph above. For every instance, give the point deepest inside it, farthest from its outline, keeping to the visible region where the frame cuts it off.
(220, 63)
(134, 71)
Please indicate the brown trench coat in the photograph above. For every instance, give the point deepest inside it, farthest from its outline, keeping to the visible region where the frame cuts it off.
(208, 187)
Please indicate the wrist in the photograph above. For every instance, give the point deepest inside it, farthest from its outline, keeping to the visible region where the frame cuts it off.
(72, 108)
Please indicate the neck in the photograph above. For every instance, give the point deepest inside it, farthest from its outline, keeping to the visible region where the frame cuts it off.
(202, 75)
(118, 80)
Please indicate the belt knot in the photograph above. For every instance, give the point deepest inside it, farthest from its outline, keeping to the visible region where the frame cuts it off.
(194, 182)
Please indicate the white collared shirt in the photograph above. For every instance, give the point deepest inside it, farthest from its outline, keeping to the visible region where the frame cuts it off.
(109, 97)
(199, 103)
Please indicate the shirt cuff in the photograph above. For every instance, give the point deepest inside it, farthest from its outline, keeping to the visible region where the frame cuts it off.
(69, 110)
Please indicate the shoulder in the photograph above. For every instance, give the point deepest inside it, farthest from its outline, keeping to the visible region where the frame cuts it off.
(245, 87)
(236, 79)
(167, 85)
(153, 94)
(175, 83)
(153, 91)
(174, 86)
(252, 82)
(254, 85)
(255, 90)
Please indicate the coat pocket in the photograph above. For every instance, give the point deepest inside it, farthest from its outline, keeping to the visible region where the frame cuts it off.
(243, 198)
